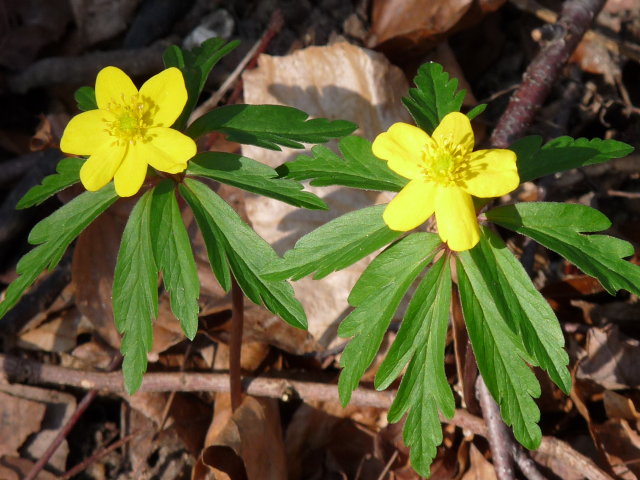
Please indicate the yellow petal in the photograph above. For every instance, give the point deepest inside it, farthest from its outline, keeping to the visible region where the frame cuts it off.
(131, 174)
(411, 207)
(402, 147)
(86, 132)
(167, 92)
(456, 218)
(169, 150)
(455, 130)
(100, 167)
(490, 173)
(113, 85)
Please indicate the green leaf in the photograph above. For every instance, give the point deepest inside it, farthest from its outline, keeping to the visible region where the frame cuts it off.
(213, 240)
(434, 97)
(334, 246)
(477, 110)
(563, 153)
(252, 176)
(195, 66)
(359, 168)
(53, 235)
(269, 126)
(560, 227)
(376, 296)
(500, 353)
(135, 293)
(529, 314)
(68, 173)
(424, 388)
(86, 98)
(247, 254)
(174, 257)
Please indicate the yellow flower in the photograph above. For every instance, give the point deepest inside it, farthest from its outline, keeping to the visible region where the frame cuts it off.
(444, 172)
(130, 130)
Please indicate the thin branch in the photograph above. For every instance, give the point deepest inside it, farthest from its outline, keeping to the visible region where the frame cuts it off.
(29, 371)
(498, 435)
(235, 344)
(575, 18)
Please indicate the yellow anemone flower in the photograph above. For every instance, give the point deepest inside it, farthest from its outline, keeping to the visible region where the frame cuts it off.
(130, 130)
(444, 172)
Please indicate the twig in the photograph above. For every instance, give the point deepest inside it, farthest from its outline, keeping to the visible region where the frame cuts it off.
(498, 435)
(275, 24)
(235, 344)
(614, 45)
(34, 372)
(575, 18)
(526, 465)
(98, 455)
(387, 467)
(62, 434)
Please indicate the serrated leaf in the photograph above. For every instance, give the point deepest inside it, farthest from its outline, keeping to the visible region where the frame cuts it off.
(561, 227)
(195, 66)
(135, 293)
(252, 176)
(359, 167)
(563, 153)
(68, 173)
(424, 388)
(53, 235)
(174, 257)
(376, 296)
(269, 126)
(334, 245)
(247, 254)
(86, 98)
(434, 97)
(528, 314)
(500, 353)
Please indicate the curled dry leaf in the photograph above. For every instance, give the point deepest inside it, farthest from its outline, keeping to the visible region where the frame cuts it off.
(337, 81)
(612, 359)
(479, 467)
(249, 446)
(621, 444)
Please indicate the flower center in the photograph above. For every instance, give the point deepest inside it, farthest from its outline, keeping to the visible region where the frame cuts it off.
(132, 119)
(442, 163)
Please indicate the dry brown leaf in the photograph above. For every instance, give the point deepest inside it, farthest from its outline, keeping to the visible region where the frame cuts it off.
(338, 81)
(58, 408)
(249, 446)
(58, 335)
(612, 359)
(480, 468)
(620, 407)
(20, 418)
(622, 446)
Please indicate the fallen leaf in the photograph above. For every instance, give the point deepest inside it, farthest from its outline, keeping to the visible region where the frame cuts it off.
(14, 468)
(622, 446)
(612, 359)
(98, 20)
(20, 418)
(479, 467)
(249, 446)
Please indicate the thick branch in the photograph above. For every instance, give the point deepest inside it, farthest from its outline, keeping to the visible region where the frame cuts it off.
(575, 19)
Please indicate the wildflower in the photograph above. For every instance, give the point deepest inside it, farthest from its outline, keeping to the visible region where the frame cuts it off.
(444, 172)
(130, 130)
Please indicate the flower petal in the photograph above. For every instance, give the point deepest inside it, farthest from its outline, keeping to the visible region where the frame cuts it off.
(100, 167)
(132, 172)
(168, 94)
(113, 85)
(455, 130)
(490, 173)
(169, 150)
(456, 218)
(402, 147)
(86, 132)
(411, 207)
